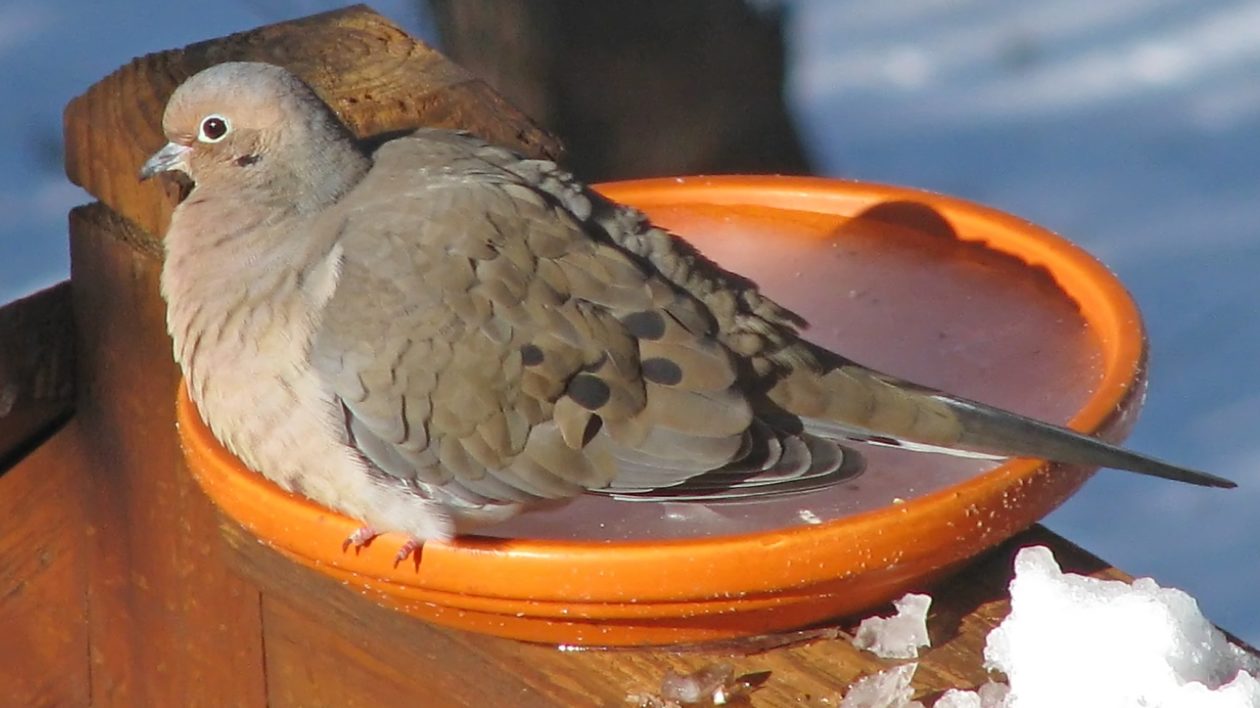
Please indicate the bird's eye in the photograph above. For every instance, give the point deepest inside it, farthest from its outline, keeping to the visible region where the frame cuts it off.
(213, 129)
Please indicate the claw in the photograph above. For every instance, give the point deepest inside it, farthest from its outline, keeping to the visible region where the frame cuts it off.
(361, 537)
(405, 551)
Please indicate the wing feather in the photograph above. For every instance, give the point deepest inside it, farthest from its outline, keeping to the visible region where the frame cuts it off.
(491, 343)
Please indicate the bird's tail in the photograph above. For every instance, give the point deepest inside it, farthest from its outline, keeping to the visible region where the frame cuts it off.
(854, 401)
(991, 429)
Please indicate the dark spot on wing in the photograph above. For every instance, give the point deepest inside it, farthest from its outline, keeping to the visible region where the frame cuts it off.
(588, 391)
(648, 324)
(662, 371)
(531, 355)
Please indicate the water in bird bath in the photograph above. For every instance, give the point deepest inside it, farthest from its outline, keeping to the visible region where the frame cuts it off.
(893, 288)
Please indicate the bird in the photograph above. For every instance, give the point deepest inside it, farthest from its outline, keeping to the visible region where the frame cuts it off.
(437, 334)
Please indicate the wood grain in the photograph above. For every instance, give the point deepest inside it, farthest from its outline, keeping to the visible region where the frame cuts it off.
(36, 370)
(43, 600)
(171, 624)
(377, 78)
(328, 646)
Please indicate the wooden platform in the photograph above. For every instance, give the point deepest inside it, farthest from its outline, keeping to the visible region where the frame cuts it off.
(119, 583)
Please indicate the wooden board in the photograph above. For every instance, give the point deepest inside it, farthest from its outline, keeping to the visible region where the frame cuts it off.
(36, 370)
(169, 621)
(43, 601)
(328, 646)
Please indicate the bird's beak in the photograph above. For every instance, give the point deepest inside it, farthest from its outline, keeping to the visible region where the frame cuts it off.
(170, 157)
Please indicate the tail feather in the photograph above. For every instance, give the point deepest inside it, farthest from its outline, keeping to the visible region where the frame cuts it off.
(893, 412)
(988, 429)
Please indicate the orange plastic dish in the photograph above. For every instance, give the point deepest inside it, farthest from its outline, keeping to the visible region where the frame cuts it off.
(714, 585)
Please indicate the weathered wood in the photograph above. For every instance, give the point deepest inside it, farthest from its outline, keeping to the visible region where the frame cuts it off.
(372, 73)
(43, 604)
(647, 88)
(374, 669)
(36, 370)
(171, 624)
(313, 625)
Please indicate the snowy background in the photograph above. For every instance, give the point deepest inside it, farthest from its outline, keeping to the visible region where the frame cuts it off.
(1132, 127)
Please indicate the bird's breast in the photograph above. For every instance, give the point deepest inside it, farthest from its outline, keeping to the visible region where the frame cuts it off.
(243, 342)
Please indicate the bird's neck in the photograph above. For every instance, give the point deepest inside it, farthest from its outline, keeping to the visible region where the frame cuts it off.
(321, 175)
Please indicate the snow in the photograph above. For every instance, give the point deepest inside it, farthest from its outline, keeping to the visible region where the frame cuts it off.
(886, 689)
(990, 695)
(899, 636)
(1076, 640)
(1073, 640)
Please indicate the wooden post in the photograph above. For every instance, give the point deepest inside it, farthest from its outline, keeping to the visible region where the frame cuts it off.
(638, 89)
(120, 585)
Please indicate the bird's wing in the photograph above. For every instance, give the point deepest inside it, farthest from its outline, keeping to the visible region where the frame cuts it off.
(826, 394)
(488, 342)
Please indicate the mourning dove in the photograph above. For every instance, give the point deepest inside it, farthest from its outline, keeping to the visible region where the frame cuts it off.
(437, 335)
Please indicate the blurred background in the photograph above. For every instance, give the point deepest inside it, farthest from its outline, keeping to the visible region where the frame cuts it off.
(1131, 127)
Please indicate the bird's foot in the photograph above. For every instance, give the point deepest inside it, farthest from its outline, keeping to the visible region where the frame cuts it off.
(361, 537)
(406, 550)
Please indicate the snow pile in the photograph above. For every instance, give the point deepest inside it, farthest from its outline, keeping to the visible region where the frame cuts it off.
(1072, 640)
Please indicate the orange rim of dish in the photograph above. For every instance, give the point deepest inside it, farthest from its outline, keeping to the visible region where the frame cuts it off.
(574, 579)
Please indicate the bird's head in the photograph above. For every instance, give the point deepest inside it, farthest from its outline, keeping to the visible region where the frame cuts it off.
(254, 125)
